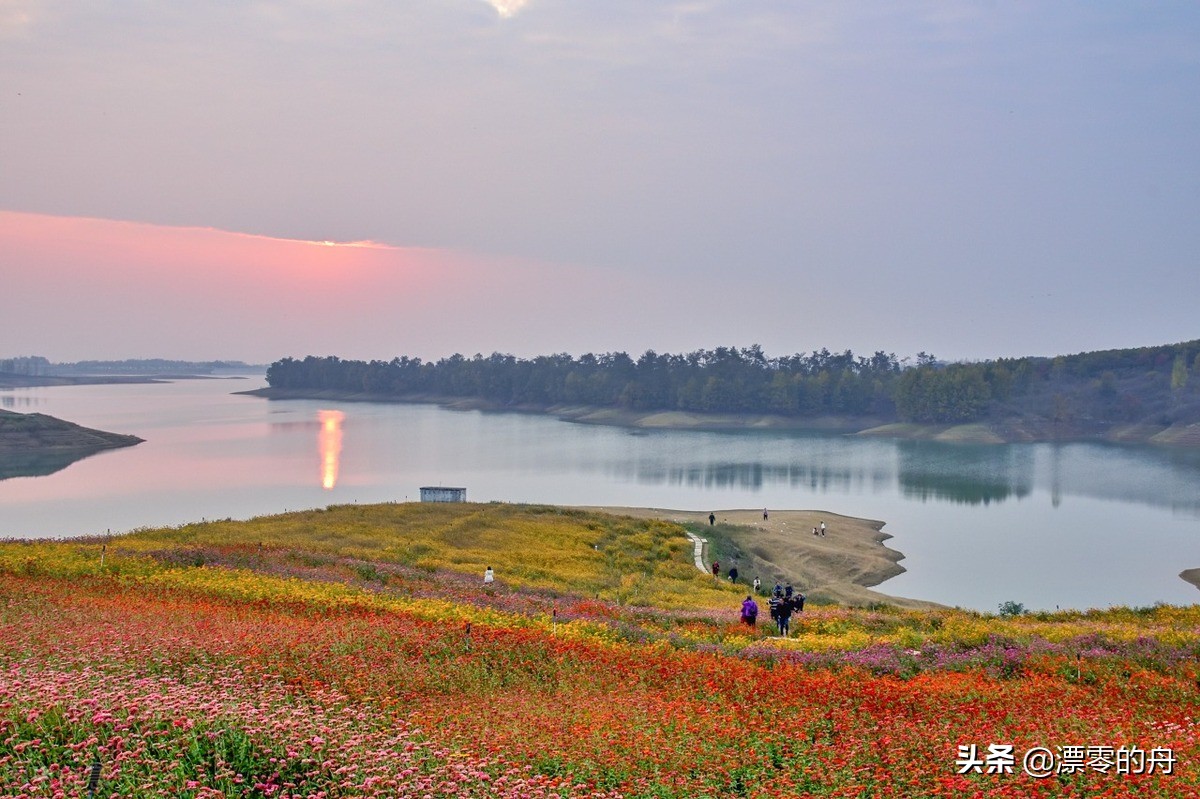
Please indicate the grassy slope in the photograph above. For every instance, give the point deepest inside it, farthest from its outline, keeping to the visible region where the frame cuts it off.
(308, 648)
(638, 562)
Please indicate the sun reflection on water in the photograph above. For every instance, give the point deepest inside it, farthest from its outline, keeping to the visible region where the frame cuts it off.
(329, 444)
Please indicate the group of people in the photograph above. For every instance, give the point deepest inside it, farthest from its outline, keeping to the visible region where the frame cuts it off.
(783, 603)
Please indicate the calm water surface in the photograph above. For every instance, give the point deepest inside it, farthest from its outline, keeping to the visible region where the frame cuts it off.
(1077, 525)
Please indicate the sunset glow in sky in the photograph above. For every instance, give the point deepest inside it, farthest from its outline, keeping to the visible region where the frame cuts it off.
(100, 286)
(248, 181)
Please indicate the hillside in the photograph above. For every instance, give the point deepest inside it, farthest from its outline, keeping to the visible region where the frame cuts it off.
(356, 652)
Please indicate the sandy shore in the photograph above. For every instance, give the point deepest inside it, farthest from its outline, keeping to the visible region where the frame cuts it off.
(840, 567)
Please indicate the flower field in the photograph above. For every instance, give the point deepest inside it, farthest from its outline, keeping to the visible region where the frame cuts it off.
(263, 658)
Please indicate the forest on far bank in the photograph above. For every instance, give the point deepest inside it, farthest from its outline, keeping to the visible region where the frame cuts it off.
(1152, 385)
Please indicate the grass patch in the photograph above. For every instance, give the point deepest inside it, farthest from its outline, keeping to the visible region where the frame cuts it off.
(631, 561)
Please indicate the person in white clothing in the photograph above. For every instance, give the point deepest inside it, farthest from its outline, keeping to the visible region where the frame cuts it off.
(488, 575)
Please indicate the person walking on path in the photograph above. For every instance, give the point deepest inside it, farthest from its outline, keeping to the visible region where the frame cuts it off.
(488, 575)
(822, 528)
(716, 567)
(712, 519)
(783, 617)
(764, 514)
(733, 574)
(749, 611)
(757, 584)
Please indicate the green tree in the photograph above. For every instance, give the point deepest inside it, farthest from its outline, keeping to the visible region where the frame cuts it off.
(1179, 372)
(957, 393)
(1010, 609)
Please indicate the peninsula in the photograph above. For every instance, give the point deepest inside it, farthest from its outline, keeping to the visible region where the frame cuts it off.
(841, 567)
(34, 444)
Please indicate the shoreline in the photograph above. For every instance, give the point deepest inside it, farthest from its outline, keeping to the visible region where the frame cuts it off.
(580, 414)
(1006, 432)
(842, 567)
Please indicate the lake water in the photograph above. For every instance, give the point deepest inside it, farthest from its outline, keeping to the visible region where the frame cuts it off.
(1073, 525)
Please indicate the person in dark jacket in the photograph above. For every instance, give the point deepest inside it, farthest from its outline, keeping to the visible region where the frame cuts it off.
(783, 617)
(773, 605)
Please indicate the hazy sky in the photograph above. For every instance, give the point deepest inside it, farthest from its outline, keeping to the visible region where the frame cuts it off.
(531, 176)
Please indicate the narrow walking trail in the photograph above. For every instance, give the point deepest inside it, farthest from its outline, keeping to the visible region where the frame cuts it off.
(699, 543)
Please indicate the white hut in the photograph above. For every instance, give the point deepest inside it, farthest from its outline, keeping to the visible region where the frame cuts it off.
(443, 494)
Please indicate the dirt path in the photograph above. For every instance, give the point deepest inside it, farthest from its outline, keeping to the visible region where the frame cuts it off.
(841, 566)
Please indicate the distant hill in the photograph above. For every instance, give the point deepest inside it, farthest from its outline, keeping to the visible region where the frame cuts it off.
(1144, 394)
(33, 444)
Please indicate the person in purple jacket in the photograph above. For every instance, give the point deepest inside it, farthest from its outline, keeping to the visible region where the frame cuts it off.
(749, 611)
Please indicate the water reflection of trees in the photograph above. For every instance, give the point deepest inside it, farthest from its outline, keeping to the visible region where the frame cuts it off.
(956, 473)
(11, 401)
(964, 474)
(924, 471)
(962, 490)
(754, 475)
(1163, 477)
(1156, 476)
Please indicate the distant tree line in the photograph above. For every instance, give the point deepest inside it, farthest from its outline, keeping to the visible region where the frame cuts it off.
(722, 380)
(25, 365)
(1114, 385)
(37, 365)
(150, 366)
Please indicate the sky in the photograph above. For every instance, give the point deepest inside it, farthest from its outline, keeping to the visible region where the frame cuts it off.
(368, 179)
